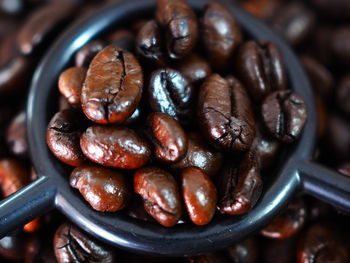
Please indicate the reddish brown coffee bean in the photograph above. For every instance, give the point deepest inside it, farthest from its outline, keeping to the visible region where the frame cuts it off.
(123, 39)
(240, 185)
(16, 135)
(199, 194)
(284, 114)
(63, 135)
(168, 137)
(104, 189)
(112, 98)
(194, 68)
(70, 84)
(261, 68)
(85, 55)
(116, 147)
(289, 223)
(220, 33)
(179, 23)
(246, 251)
(42, 22)
(160, 194)
(225, 114)
(262, 8)
(33, 226)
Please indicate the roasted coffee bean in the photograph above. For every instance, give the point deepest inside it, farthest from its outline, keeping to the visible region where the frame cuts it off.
(137, 210)
(63, 135)
(343, 95)
(85, 55)
(194, 68)
(13, 176)
(123, 39)
(294, 21)
(284, 115)
(171, 93)
(70, 84)
(32, 226)
(13, 247)
(220, 33)
(180, 25)
(320, 244)
(35, 32)
(246, 251)
(262, 8)
(160, 194)
(321, 79)
(289, 223)
(116, 147)
(168, 137)
(225, 113)
(199, 194)
(149, 43)
(112, 98)
(72, 245)
(106, 190)
(241, 185)
(200, 155)
(261, 68)
(16, 135)
(134, 118)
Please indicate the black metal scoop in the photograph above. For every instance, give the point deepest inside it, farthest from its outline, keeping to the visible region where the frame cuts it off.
(296, 174)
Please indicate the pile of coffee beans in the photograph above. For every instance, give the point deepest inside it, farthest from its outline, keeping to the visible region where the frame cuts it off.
(182, 111)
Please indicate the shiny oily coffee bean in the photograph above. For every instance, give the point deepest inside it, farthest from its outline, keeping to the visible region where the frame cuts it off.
(261, 68)
(13, 176)
(16, 135)
(225, 113)
(199, 194)
(41, 23)
(70, 84)
(200, 155)
(343, 95)
(220, 33)
(289, 223)
(149, 43)
(112, 98)
(241, 185)
(160, 193)
(320, 244)
(115, 146)
(194, 68)
(63, 137)
(85, 55)
(284, 114)
(123, 39)
(106, 190)
(180, 26)
(168, 137)
(171, 93)
(246, 251)
(72, 245)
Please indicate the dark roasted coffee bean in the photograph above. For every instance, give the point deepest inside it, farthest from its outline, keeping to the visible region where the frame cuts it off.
(200, 155)
(106, 190)
(220, 33)
(343, 95)
(13, 176)
(112, 98)
(70, 84)
(340, 45)
(179, 23)
(199, 194)
(289, 223)
(137, 210)
(171, 93)
(225, 113)
(294, 21)
(194, 68)
(123, 39)
(246, 251)
(16, 135)
(320, 244)
(72, 245)
(240, 185)
(63, 137)
(116, 147)
(321, 79)
(85, 55)
(149, 43)
(34, 32)
(261, 68)
(284, 115)
(168, 137)
(160, 194)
